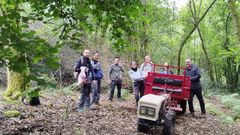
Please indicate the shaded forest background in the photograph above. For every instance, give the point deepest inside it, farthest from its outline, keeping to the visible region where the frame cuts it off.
(40, 41)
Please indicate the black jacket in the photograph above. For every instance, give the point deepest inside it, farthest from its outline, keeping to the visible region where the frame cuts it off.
(195, 74)
(84, 61)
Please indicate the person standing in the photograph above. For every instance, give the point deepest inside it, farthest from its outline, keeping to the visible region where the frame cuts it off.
(97, 76)
(85, 63)
(115, 78)
(195, 89)
(166, 69)
(138, 83)
(146, 66)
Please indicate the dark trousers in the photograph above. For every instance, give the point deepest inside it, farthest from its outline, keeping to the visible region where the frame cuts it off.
(96, 85)
(85, 96)
(138, 90)
(198, 93)
(113, 86)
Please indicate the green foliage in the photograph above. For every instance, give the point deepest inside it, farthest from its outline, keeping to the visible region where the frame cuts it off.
(236, 111)
(230, 101)
(213, 110)
(226, 119)
(124, 93)
(11, 113)
(22, 50)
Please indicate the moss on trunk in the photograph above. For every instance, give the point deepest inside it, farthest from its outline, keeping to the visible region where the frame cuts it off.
(15, 86)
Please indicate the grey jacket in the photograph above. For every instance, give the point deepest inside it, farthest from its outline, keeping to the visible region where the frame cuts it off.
(135, 75)
(195, 74)
(115, 73)
(145, 69)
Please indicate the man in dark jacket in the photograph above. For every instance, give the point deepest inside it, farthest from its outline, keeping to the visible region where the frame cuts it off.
(97, 76)
(196, 89)
(84, 61)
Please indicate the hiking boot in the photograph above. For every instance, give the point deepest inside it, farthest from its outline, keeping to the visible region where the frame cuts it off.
(80, 110)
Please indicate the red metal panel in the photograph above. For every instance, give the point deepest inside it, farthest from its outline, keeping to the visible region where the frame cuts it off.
(185, 87)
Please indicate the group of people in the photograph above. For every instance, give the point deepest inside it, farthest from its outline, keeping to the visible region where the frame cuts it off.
(94, 73)
(89, 75)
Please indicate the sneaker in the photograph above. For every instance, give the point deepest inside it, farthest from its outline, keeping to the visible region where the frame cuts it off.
(80, 110)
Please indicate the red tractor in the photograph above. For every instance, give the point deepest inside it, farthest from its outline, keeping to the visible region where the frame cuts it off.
(164, 96)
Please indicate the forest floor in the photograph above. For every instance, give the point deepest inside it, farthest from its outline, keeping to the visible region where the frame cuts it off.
(58, 115)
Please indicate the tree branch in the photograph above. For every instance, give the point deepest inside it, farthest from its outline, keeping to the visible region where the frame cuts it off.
(182, 43)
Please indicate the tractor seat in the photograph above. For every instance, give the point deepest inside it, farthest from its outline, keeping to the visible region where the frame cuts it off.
(169, 90)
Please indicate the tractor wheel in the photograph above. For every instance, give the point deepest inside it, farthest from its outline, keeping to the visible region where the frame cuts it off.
(141, 127)
(183, 105)
(169, 123)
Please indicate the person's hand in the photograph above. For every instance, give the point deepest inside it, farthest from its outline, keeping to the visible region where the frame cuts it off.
(109, 81)
(94, 81)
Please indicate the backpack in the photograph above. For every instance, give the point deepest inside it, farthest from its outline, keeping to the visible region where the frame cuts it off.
(75, 74)
(99, 74)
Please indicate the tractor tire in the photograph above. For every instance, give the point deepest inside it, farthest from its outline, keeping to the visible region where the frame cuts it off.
(183, 105)
(141, 127)
(169, 123)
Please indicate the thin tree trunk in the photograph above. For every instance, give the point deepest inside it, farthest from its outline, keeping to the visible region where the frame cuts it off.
(235, 18)
(144, 39)
(231, 72)
(196, 18)
(182, 43)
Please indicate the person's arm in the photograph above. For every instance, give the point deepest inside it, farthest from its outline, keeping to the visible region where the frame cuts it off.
(197, 75)
(109, 73)
(91, 71)
(141, 68)
(77, 67)
(122, 69)
(133, 76)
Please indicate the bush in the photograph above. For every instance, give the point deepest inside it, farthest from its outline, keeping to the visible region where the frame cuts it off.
(213, 110)
(230, 100)
(236, 111)
(226, 119)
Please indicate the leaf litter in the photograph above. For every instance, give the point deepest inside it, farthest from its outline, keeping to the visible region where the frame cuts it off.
(58, 115)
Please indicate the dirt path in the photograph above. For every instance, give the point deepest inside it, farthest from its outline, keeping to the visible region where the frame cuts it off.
(58, 115)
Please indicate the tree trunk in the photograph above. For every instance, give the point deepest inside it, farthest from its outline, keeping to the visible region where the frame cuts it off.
(15, 85)
(230, 70)
(196, 18)
(235, 18)
(144, 39)
(189, 34)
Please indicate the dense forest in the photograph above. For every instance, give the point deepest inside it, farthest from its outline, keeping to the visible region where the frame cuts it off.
(41, 40)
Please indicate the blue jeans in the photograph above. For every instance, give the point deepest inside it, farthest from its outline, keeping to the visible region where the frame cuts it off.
(96, 90)
(85, 97)
(113, 85)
